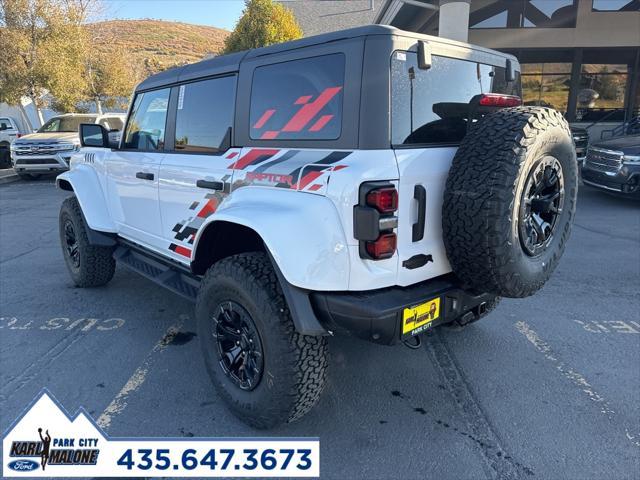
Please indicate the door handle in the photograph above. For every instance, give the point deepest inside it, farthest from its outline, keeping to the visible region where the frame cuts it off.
(211, 185)
(420, 194)
(145, 176)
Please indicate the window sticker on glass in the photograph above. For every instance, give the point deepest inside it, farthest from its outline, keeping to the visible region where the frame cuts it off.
(181, 97)
(401, 56)
(299, 99)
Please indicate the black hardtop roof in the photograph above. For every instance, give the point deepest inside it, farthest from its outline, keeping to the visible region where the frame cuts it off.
(231, 63)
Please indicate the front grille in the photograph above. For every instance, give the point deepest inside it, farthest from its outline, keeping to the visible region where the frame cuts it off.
(37, 161)
(602, 160)
(41, 148)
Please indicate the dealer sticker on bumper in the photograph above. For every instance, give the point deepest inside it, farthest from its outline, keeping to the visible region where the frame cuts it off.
(417, 319)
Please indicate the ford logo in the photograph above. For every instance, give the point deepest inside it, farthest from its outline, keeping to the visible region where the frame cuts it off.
(23, 465)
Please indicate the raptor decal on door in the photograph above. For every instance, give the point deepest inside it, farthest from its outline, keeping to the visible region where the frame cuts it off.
(303, 170)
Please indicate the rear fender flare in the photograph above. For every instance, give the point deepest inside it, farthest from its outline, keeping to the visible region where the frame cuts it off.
(302, 233)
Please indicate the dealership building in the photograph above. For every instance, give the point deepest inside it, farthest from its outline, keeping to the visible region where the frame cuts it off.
(581, 57)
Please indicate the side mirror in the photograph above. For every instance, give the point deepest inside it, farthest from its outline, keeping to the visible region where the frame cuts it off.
(509, 73)
(424, 55)
(93, 135)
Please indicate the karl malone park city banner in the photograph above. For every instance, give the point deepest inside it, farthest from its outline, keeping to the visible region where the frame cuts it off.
(45, 441)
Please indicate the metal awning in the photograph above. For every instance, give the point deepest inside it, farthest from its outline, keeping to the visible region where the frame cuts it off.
(410, 15)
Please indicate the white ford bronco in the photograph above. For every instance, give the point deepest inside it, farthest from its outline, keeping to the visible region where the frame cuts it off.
(369, 181)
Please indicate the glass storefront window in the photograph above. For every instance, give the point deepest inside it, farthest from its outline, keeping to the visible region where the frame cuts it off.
(546, 84)
(615, 6)
(524, 14)
(549, 14)
(602, 92)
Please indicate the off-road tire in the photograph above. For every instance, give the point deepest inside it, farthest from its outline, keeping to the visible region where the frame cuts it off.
(96, 264)
(483, 195)
(294, 365)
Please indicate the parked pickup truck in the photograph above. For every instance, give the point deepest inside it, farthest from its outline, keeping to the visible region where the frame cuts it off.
(9, 131)
(49, 149)
(371, 182)
(614, 166)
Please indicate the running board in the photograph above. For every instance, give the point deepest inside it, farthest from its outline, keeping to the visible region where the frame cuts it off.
(165, 274)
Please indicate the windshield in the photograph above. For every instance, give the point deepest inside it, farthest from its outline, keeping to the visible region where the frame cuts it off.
(431, 106)
(66, 124)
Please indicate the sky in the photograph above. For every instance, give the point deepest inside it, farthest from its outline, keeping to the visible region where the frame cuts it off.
(216, 13)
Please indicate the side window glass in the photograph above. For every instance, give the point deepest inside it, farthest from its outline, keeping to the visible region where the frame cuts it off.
(204, 114)
(146, 126)
(112, 123)
(51, 126)
(298, 100)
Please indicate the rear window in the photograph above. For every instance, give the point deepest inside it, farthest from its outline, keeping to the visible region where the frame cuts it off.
(430, 106)
(298, 100)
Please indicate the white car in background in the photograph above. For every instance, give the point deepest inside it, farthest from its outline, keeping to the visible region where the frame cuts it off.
(49, 149)
(9, 131)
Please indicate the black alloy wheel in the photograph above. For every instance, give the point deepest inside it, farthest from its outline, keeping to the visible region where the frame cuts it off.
(71, 243)
(240, 350)
(541, 205)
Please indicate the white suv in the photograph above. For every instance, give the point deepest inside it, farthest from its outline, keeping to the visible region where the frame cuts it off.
(9, 131)
(50, 148)
(369, 181)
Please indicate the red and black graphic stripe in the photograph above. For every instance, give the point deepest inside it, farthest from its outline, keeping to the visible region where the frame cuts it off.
(253, 157)
(302, 116)
(311, 172)
(185, 233)
(187, 230)
(282, 158)
(185, 252)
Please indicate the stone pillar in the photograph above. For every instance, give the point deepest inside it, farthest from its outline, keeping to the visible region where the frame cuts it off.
(454, 19)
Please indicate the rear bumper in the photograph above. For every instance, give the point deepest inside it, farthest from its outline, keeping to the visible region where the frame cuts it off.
(377, 315)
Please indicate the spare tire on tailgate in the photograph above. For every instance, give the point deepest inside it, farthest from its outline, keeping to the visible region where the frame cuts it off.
(509, 201)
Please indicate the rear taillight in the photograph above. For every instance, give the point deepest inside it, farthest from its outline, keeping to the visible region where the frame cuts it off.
(383, 247)
(497, 100)
(385, 199)
(374, 220)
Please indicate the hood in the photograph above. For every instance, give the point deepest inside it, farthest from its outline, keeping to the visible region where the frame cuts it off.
(62, 137)
(629, 145)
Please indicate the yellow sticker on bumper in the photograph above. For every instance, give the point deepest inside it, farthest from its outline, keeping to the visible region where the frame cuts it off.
(420, 316)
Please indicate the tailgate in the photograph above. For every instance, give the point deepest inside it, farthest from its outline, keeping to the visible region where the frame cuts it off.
(421, 169)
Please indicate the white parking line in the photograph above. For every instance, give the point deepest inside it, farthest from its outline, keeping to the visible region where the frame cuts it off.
(569, 373)
(120, 401)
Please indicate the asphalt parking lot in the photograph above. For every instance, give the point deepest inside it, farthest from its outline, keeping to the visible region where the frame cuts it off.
(547, 387)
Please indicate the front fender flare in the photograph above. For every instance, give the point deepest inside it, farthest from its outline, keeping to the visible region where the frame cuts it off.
(88, 190)
(301, 231)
